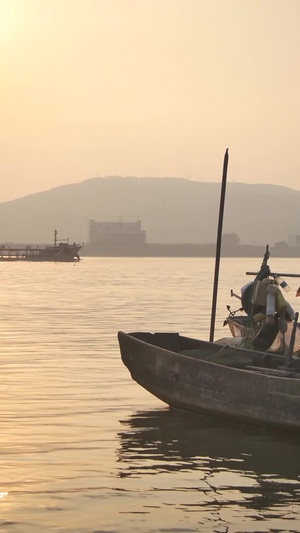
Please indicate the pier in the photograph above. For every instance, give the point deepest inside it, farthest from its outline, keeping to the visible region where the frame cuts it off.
(20, 254)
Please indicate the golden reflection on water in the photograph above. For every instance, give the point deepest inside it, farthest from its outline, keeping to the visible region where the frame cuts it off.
(83, 448)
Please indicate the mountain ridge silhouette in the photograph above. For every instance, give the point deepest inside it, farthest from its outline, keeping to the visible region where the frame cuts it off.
(172, 210)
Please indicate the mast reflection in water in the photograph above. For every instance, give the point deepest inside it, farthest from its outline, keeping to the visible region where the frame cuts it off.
(244, 472)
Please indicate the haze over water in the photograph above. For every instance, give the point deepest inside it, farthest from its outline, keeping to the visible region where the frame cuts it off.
(85, 449)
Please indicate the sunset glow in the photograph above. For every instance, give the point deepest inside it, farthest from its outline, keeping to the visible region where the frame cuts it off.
(10, 18)
(153, 88)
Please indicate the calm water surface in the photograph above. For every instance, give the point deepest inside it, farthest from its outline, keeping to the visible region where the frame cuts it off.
(85, 449)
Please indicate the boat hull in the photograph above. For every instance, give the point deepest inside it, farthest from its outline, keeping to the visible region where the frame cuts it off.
(65, 254)
(187, 383)
(62, 253)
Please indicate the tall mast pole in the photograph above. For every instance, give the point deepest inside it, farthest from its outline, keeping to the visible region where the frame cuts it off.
(218, 248)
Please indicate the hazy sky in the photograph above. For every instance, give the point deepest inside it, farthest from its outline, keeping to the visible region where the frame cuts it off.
(148, 88)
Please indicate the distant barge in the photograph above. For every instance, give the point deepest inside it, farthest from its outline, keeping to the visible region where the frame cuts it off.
(61, 251)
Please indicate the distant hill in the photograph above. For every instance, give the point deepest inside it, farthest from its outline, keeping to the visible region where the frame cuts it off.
(172, 210)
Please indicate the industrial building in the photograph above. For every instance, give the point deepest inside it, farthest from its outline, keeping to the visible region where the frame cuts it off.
(116, 238)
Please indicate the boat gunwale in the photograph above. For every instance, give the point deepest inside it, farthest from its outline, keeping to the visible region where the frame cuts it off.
(258, 372)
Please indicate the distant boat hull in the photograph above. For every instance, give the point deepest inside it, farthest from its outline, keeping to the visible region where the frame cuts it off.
(63, 253)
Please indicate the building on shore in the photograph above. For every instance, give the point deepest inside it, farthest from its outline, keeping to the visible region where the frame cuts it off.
(116, 238)
(127, 239)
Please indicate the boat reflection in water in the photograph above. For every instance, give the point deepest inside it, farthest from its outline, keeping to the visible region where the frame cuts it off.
(247, 470)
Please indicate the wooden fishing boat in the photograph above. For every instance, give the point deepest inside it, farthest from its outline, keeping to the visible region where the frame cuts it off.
(257, 381)
(205, 377)
(259, 384)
